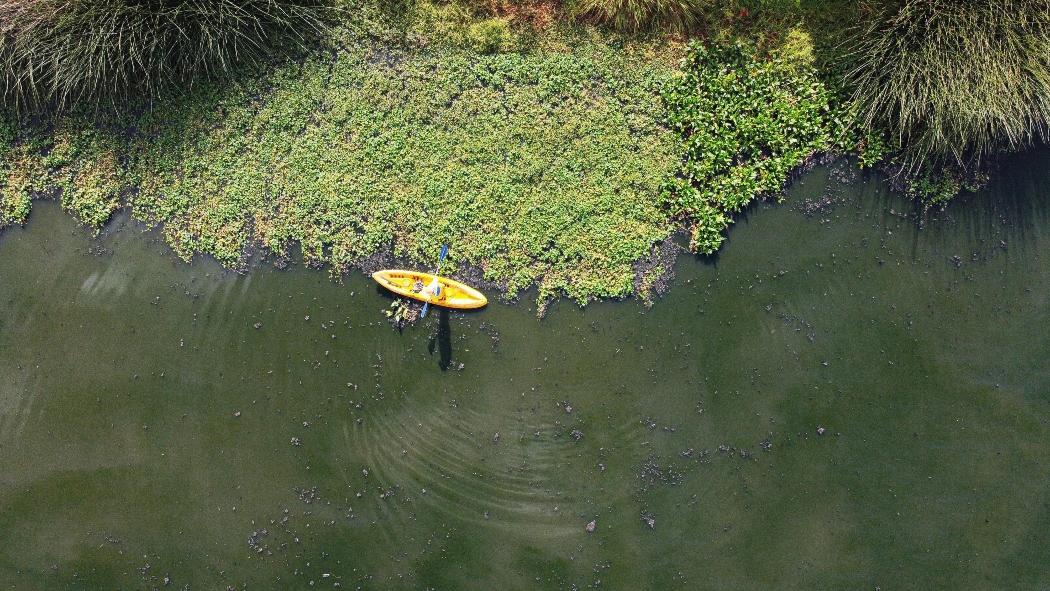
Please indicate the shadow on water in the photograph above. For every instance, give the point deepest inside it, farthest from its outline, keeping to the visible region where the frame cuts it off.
(442, 340)
(385, 293)
(1008, 211)
(1012, 206)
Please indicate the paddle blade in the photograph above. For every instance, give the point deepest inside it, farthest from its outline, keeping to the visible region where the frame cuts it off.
(423, 314)
(444, 252)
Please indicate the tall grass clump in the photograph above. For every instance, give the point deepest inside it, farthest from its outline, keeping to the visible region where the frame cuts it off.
(954, 81)
(642, 15)
(58, 52)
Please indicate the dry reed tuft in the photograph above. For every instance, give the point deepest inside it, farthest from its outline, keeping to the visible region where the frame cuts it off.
(59, 52)
(955, 81)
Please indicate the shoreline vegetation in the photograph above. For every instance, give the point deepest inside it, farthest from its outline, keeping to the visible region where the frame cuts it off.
(556, 146)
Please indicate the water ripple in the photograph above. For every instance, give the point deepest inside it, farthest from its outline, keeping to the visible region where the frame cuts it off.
(464, 471)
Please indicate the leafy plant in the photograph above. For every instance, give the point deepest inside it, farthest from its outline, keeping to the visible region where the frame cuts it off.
(745, 124)
(872, 149)
(401, 313)
(935, 188)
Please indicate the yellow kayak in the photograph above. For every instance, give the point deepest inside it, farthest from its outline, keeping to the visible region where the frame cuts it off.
(453, 294)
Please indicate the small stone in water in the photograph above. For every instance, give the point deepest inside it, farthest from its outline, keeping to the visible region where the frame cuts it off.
(237, 414)
(820, 430)
(576, 434)
(258, 325)
(593, 525)
(495, 438)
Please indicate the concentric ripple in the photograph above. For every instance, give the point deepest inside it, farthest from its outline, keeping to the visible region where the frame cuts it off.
(440, 456)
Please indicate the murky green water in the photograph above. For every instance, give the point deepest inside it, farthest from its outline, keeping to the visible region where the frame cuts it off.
(151, 434)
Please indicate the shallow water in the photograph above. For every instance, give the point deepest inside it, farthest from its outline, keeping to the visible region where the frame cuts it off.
(834, 402)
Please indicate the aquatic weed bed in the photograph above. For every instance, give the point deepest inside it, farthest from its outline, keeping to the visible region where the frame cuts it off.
(539, 168)
(564, 164)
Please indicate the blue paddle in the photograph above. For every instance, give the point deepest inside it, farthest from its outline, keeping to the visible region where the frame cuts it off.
(437, 288)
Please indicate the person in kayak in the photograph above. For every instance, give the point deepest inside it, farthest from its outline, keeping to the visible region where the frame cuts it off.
(433, 290)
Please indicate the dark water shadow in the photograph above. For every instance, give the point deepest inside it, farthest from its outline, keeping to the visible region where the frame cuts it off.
(709, 260)
(740, 219)
(1007, 212)
(385, 293)
(442, 340)
(1012, 206)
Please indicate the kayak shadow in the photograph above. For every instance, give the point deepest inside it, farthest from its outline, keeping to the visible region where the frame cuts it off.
(441, 342)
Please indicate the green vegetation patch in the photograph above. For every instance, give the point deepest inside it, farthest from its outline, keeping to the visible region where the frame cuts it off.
(74, 160)
(555, 158)
(746, 124)
(14, 202)
(540, 168)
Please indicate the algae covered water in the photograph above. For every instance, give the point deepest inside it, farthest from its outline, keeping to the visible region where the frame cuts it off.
(840, 400)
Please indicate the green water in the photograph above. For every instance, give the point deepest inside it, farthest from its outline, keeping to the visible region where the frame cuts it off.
(150, 434)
